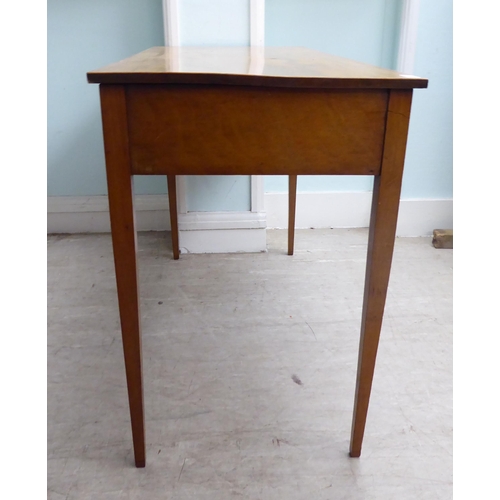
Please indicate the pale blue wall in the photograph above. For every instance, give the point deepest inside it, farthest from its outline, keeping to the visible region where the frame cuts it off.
(429, 158)
(365, 30)
(85, 35)
(214, 22)
(368, 30)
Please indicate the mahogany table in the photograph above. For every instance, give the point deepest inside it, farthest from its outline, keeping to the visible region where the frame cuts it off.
(252, 111)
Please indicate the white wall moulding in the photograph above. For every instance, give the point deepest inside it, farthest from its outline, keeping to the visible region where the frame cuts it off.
(421, 217)
(257, 22)
(351, 210)
(171, 22)
(319, 210)
(223, 241)
(89, 214)
(222, 232)
(408, 36)
(257, 200)
(195, 221)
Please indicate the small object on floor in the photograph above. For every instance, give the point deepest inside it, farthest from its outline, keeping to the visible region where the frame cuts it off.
(442, 238)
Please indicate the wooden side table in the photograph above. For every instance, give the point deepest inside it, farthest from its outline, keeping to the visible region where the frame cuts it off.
(252, 111)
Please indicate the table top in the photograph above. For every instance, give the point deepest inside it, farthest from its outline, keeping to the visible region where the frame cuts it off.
(294, 67)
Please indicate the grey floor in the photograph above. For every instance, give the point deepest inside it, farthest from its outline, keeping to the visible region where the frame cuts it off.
(249, 372)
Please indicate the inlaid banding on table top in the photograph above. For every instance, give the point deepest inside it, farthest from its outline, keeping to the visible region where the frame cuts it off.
(197, 130)
(255, 66)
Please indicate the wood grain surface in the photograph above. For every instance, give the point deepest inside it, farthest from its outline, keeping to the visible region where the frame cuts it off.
(384, 215)
(121, 208)
(174, 226)
(261, 66)
(193, 130)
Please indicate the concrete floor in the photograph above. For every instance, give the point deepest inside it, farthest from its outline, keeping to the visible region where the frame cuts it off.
(224, 337)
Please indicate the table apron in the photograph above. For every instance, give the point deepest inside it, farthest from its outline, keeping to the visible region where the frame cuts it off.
(206, 130)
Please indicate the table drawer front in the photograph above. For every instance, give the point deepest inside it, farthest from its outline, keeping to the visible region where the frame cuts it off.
(243, 130)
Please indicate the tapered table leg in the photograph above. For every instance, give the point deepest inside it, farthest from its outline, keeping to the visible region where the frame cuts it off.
(292, 199)
(172, 201)
(123, 232)
(384, 213)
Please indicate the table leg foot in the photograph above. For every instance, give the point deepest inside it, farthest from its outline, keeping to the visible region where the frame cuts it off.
(172, 201)
(380, 246)
(292, 199)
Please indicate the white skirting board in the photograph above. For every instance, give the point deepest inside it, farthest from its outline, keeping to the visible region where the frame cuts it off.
(223, 241)
(245, 231)
(337, 210)
(199, 232)
(90, 214)
(222, 232)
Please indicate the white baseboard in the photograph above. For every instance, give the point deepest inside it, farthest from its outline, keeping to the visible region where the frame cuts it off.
(222, 232)
(319, 210)
(338, 210)
(199, 232)
(223, 240)
(196, 221)
(421, 217)
(89, 214)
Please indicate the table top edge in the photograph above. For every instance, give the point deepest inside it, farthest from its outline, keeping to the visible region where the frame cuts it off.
(146, 67)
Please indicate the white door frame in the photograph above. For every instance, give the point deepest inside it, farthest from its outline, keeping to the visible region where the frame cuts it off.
(408, 36)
